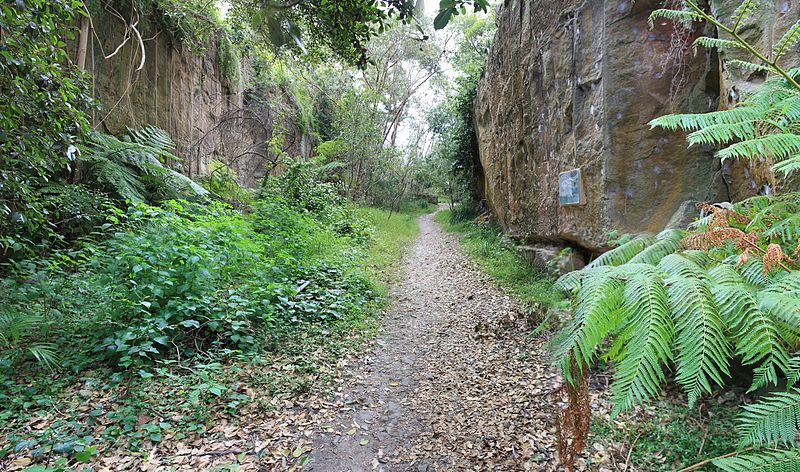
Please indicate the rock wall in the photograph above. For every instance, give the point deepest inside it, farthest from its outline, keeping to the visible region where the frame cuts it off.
(187, 95)
(572, 85)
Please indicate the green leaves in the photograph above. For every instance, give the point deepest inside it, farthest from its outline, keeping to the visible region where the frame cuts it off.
(766, 461)
(450, 8)
(132, 169)
(703, 350)
(684, 17)
(775, 418)
(647, 339)
(743, 12)
(789, 39)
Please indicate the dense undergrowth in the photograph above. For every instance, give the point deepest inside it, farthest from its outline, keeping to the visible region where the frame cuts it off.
(169, 316)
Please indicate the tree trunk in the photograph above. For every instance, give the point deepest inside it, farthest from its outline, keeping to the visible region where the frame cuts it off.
(83, 43)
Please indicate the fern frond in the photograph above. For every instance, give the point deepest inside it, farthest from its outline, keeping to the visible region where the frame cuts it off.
(703, 350)
(723, 133)
(756, 335)
(570, 282)
(753, 272)
(702, 223)
(154, 137)
(789, 39)
(743, 12)
(778, 146)
(707, 42)
(116, 179)
(765, 461)
(667, 242)
(789, 107)
(793, 369)
(773, 419)
(746, 66)
(684, 17)
(624, 253)
(647, 343)
(695, 121)
(595, 315)
(678, 265)
(788, 165)
(46, 353)
(698, 256)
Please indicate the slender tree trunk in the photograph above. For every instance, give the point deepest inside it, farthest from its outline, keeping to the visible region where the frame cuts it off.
(83, 43)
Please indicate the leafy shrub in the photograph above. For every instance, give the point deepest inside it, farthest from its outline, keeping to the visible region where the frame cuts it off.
(189, 278)
(302, 190)
(41, 116)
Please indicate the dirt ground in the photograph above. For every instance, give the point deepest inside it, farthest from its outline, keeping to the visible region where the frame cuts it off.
(454, 381)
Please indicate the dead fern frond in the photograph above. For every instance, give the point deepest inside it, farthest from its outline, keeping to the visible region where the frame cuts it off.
(572, 420)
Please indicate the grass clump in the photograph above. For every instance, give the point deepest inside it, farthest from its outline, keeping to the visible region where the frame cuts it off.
(668, 435)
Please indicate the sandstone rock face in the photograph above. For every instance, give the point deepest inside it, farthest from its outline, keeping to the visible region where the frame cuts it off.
(186, 94)
(572, 85)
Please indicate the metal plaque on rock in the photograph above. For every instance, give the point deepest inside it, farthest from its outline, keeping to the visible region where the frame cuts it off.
(570, 188)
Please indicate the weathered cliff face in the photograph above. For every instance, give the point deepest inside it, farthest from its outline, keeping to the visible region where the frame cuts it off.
(572, 85)
(187, 95)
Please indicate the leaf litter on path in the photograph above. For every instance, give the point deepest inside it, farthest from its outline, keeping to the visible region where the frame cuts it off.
(454, 381)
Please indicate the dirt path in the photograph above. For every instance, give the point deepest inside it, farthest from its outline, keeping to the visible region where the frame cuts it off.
(453, 382)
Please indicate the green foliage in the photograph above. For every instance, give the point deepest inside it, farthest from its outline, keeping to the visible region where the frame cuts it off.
(223, 183)
(41, 116)
(193, 23)
(774, 419)
(450, 8)
(302, 190)
(133, 168)
(230, 62)
(199, 301)
(646, 310)
(763, 123)
(668, 434)
(344, 28)
(767, 461)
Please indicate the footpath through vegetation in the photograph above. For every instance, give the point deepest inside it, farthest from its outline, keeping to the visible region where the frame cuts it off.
(453, 382)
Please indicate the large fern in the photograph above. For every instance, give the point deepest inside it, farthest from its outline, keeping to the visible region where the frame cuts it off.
(133, 169)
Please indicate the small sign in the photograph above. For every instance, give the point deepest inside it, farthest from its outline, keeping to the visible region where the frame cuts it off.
(570, 188)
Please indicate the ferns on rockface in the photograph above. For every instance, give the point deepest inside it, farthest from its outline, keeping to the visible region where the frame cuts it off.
(132, 168)
(763, 124)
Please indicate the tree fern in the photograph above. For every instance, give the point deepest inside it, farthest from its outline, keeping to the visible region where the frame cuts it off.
(703, 350)
(775, 418)
(648, 342)
(766, 461)
(789, 39)
(623, 253)
(132, 168)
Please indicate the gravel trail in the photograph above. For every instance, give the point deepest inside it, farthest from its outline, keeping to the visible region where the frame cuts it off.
(453, 382)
